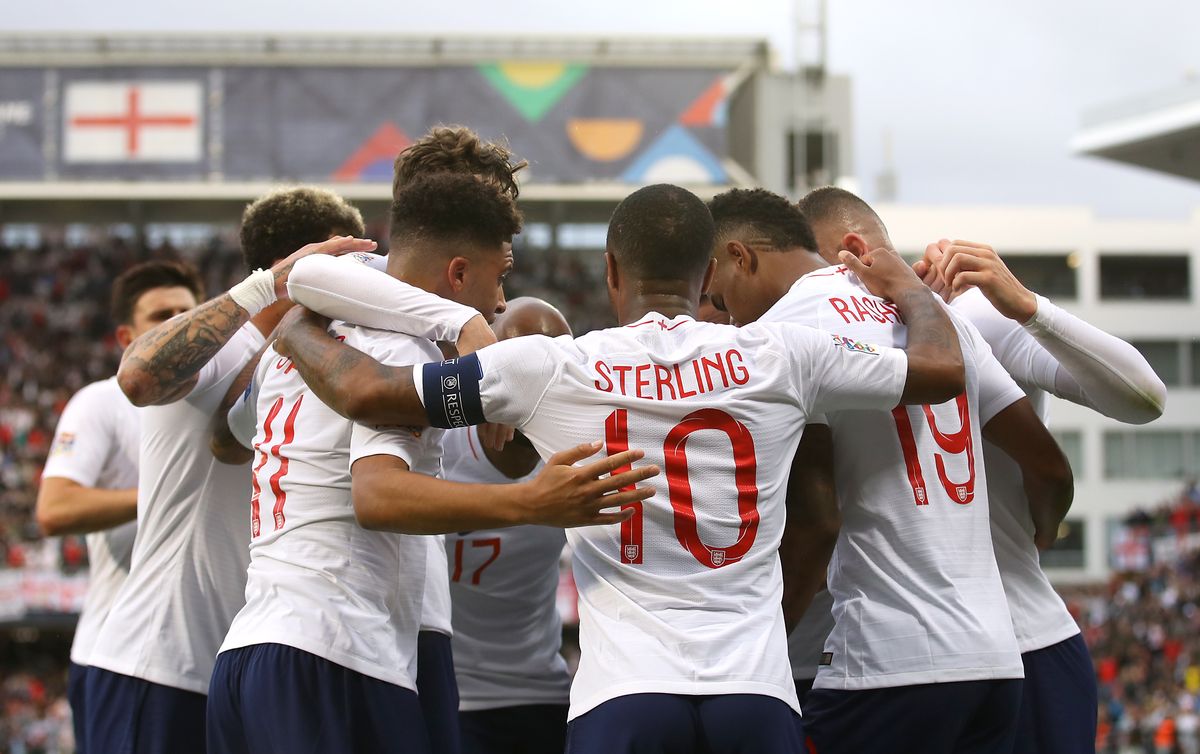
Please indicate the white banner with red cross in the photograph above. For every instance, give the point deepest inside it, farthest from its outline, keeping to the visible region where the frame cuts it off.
(128, 121)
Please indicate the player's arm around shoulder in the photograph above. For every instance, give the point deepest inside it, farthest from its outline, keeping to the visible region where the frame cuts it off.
(935, 372)
(163, 365)
(388, 496)
(350, 382)
(1045, 471)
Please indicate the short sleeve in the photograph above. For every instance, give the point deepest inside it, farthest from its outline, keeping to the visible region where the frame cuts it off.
(997, 390)
(838, 373)
(409, 444)
(243, 415)
(513, 377)
(83, 439)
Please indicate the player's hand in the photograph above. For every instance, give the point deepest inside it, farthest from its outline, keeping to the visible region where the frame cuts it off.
(927, 269)
(567, 495)
(965, 264)
(496, 436)
(475, 334)
(883, 271)
(335, 246)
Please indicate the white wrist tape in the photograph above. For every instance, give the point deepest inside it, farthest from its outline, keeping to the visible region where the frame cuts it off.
(256, 292)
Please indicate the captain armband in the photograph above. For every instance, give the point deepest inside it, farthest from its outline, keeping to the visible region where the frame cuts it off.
(450, 390)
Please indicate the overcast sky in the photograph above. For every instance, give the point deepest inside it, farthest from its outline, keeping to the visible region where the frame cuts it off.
(980, 98)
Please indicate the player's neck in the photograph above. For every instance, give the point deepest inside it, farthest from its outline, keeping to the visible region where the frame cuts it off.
(668, 304)
(782, 270)
(407, 269)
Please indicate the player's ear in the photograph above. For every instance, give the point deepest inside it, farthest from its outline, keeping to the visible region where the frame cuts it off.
(611, 275)
(855, 244)
(124, 335)
(744, 258)
(708, 276)
(456, 273)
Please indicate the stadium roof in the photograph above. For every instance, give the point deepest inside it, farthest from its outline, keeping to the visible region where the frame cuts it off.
(1159, 131)
(366, 49)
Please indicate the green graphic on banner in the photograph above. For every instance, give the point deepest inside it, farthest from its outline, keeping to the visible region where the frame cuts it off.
(533, 87)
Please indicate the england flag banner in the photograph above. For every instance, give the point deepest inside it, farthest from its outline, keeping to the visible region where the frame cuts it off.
(128, 121)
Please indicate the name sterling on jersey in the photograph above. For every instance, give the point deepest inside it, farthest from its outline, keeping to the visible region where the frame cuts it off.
(659, 382)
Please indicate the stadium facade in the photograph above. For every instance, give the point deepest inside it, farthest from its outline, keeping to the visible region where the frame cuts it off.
(168, 133)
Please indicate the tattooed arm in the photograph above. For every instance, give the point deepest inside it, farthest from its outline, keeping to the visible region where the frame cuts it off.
(161, 366)
(347, 380)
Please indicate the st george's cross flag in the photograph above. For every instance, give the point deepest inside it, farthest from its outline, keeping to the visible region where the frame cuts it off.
(132, 121)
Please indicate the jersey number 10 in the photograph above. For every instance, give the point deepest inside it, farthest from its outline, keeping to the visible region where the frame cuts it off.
(679, 486)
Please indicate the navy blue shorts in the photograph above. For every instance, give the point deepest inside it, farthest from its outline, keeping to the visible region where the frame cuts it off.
(966, 717)
(275, 699)
(803, 686)
(127, 715)
(523, 729)
(437, 689)
(76, 696)
(1058, 700)
(682, 724)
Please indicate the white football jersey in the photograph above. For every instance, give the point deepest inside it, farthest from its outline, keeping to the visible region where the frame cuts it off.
(1039, 616)
(504, 585)
(806, 642)
(96, 445)
(435, 607)
(187, 577)
(916, 592)
(317, 580)
(683, 598)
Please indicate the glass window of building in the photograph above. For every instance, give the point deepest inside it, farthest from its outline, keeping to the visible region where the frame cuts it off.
(1130, 454)
(1164, 357)
(1071, 442)
(1052, 275)
(1144, 276)
(1069, 550)
(1194, 362)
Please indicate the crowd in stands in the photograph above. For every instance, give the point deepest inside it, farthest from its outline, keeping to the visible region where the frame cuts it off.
(56, 336)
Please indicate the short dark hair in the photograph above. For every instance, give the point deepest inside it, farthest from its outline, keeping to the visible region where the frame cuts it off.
(454, 206)
(457, 149)
(767, 214)
(661, 232)
(830, 203)
(158, 273)
(278, 223)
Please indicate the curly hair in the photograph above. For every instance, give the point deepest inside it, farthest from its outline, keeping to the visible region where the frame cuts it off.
(158, 273)
(457, 149)
(282, 221)
(454, 207)
(769, 215)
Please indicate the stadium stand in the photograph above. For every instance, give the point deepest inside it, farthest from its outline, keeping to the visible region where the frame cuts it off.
(1143, 626)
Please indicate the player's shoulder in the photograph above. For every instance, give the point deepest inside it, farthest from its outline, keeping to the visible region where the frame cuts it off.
(975, 308)
(809, 290)
(102, 396)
